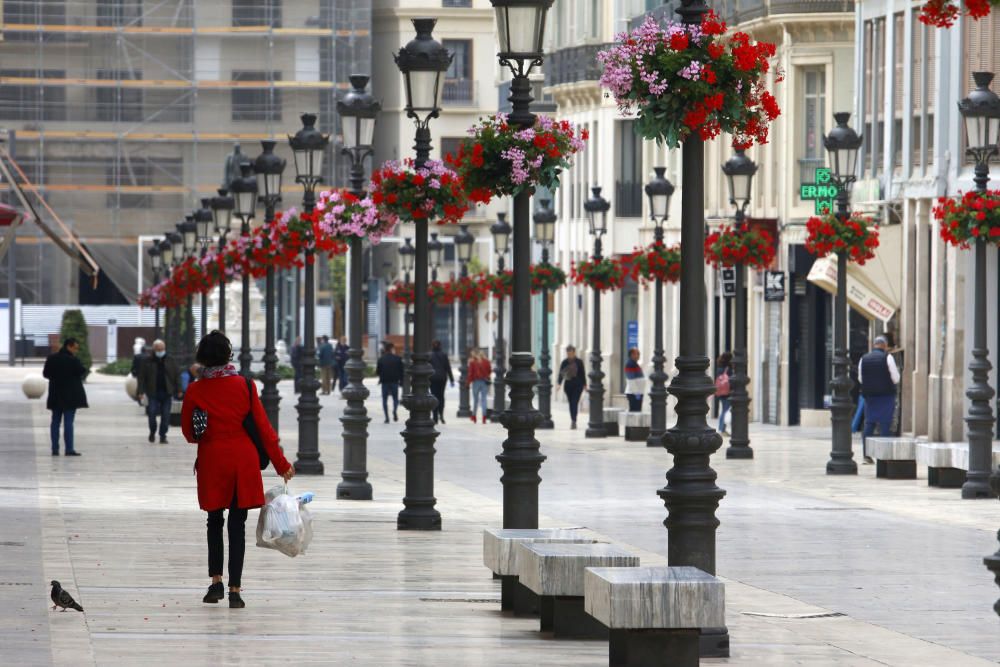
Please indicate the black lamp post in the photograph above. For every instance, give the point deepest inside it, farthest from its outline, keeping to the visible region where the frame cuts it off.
(188, 231)
(269, 168)
(406, 256)
(463, 248)
(501, 232)
(171, 240)
(222, 212)
(435, 255)
(842, 146)
(422, 62)
(545, 230)
(357, 111)
(205, 222)
(244, 191)
(155, 262)
(308, 146)
(739, 171)
(659, 191)
(597, 208)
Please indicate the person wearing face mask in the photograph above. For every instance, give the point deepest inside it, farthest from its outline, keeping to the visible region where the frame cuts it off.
(159, 382)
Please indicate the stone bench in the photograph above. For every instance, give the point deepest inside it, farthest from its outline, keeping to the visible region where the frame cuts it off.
(635, 425)
(655, 614)
(611, 421)
(500, 555)
(941, 471)
(895, 458)
(555, 572)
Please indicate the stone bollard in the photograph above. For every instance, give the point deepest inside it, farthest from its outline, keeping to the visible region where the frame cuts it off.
(34, 386)
(131, 387)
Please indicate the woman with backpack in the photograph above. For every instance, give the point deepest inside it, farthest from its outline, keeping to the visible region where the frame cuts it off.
(724, 370)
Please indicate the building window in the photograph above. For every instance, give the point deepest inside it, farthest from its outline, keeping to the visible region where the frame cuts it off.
(458, 81)
(456, 3)
(899, 84)
(116, 103)
(133, 179)
(254, 13)
(628, 188)
(874, 95)
(980, 54)
(922, 84)
(32, 102)
(119, 12)
(261, 103)
(33, 12)
(813, 123)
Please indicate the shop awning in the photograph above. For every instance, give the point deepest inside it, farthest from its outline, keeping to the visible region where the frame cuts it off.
(863, 296)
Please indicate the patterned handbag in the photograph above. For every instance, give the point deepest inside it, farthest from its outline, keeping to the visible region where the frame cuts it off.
(199, 422)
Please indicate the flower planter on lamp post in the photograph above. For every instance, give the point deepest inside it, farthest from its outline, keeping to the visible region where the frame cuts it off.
(659, 191)
(597, 208)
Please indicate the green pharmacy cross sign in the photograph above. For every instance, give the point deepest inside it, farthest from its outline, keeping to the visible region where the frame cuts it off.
(823, 191)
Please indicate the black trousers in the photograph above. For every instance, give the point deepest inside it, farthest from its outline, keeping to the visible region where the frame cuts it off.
(573, 394)
(237, 543)
(390, 390)
(437, 389)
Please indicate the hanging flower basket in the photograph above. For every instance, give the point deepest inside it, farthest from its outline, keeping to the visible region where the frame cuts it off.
(433, 192)
(402, 293)
(943, 13)
(603, 274)
(857, 237)
(678, 80)
(344, 216)
(728, 247)
(974, 215)
(657, 260)
(469, 289)
(499, 160)
(500, 285)
(546, 277)
(438, 293)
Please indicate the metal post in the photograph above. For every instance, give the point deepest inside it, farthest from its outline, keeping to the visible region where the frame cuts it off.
(544, 369)
(418, 512)
(499, 357)
(407, 316)
(658, 378)
(204, 302)
(11, 300)
(307, 459)
(245, 355)
(156, 309)
(842, 455)
(222, 293)
(739, 442)
(595, 425)
(464, 410)
(269, 395)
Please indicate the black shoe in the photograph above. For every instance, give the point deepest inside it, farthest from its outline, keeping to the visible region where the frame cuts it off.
(395, 418)
(215, 593)
(55, 453)
(163, 439)
(152, 437)
(235, 601)
(386, 420)
(442, 419)
(73, 453)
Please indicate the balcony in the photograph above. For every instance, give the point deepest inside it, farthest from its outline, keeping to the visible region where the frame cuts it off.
(459, 92)
(572, 65)
(735, 12)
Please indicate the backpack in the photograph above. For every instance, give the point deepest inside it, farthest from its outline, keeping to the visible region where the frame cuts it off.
(722, 385)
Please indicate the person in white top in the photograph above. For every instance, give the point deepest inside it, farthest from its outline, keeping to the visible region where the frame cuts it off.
(878, 375)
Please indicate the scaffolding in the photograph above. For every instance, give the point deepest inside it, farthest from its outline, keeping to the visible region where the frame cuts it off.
(124, 111)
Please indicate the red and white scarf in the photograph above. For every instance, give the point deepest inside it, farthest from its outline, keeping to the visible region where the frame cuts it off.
(210, 372)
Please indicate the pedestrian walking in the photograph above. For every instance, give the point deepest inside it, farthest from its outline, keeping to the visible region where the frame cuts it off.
(227, 465)
(340, 355)
(478, 375)
(389, 370)
(159, 383)
(724, 371)
(442, 374)
(295, 357)
(65, 374)
(138, 356)
(573, 380)
(635, 381)
(327, 364)
(878, 375)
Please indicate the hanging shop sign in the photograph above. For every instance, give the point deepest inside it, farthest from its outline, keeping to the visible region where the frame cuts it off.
(774, 286)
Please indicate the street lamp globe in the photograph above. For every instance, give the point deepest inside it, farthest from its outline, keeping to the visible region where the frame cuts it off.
(423, 62)
(501, 231)
(435, 252)
(189, 234)
(463, 244)
(222, 211)
(842, 146)
(358, 111)
(268, 168)
(406, 257)
(308, 146)
(545, 222)
(204, 220)
(981, 111)
(176, 247)
(167, 251)
(155, 259)
(739, 171)
(597, 208)
(521, 31)
(659, 191)
(244, 191)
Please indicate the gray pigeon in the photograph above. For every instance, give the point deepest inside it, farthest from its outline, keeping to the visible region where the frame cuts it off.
(61, 598)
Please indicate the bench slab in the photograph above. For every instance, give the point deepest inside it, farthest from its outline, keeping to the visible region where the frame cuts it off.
(557, 569)
(611, 421)
(499, 544)
(654, 598)
(892, 449)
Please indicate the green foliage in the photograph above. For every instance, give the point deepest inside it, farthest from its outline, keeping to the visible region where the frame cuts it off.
(338, 277)
(75, 326)
(120, 367)
(476, 266)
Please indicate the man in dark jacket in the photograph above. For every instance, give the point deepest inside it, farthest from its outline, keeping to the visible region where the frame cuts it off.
(878, 375)
(442, 374)
(327, 363)
(65, 374)
(389, 370)
(340, 355)
(160, 382)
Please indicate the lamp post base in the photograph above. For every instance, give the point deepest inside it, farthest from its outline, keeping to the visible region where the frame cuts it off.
(546, 424)
(308, 467)
(354, 490)
(841, 467)
(596, 432)
(418, 519)
(744, 452)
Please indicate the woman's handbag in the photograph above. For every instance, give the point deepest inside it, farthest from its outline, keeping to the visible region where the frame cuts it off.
(199, 423)
(250, 426)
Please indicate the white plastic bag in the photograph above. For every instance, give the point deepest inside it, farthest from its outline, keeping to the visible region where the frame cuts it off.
(284, 524)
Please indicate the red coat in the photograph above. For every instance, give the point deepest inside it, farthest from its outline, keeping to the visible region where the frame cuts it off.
(227, 459)
(479, 370)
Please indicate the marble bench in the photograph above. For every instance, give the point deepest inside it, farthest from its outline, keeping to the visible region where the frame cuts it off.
(635, 425)
(500, 555)
(611, 421)
(655, 614)
(895, 458)
(555, 572)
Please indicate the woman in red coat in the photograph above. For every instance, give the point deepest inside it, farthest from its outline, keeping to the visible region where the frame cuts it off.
(227, 466)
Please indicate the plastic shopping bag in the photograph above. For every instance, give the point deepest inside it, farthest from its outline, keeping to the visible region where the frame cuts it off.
(284, 523)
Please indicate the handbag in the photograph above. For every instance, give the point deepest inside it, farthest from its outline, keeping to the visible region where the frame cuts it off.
(250, 426)
(199, 423)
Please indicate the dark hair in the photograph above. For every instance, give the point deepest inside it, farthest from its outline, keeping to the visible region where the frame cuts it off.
(70, 341)
(725, 359)
(214, 350)
(436, 345)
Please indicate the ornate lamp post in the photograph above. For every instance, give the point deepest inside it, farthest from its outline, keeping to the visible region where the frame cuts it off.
(521, 27)
(463, 248)
(597, 208)
(422, 62)
(269, 168)
(659, 191)
(406, 256)
(739, 171)
(545, 231)
(222, 213)
(205, 222)
(169, 258)
(244, 191)
(501, 232)
(155, 262)
(188, 231)
(842, 146)
(357, 111)
(308, 146)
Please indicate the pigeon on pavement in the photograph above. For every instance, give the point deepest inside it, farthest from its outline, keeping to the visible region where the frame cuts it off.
(61, 598)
